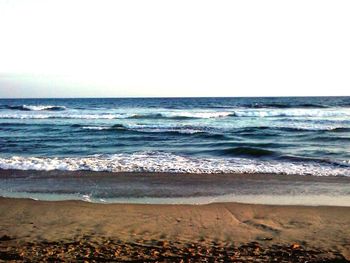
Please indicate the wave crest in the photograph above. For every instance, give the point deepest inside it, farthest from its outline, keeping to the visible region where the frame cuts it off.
(171, 163)
(174, 115)
(264, 113)
(35, 107)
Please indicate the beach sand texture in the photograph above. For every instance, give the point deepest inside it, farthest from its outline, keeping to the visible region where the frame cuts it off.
(224, 224)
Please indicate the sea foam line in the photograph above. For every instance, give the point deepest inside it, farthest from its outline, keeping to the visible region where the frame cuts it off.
(255, 113)
(170, 163)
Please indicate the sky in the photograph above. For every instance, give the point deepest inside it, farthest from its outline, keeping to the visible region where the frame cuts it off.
(162, 48)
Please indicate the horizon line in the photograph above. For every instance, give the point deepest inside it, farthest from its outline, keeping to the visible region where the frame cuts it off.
(176, 97)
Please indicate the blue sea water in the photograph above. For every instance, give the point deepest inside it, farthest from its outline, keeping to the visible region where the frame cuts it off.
(290, 135)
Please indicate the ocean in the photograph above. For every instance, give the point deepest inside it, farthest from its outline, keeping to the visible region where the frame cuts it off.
(295, 136)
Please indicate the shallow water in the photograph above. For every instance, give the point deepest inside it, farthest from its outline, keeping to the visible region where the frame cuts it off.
(170, 188)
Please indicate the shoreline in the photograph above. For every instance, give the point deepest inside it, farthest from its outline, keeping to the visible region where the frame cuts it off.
(268, 200)
(42, 223)
(8, 173)
(175, 188)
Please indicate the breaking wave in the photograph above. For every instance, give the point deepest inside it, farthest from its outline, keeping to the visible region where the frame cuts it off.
(264, 113)
(63, 116)
(173, 115)
(101, 128)
(171, 163)
(182, 115)
(34, 107)
(205, 131)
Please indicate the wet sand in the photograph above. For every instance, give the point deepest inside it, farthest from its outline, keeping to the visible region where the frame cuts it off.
(72, 230)
(169, 188)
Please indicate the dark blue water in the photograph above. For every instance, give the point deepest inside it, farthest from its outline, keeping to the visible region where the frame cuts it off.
(208, 135)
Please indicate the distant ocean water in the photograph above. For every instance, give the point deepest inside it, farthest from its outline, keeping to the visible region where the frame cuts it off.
(301, 136)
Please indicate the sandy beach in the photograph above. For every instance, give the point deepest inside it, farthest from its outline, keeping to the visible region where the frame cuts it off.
(315, 232)
(174, 131)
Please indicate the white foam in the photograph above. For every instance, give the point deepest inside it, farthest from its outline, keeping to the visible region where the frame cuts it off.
(86, 198)
(309, 126)
(171, 163)
(164, 129)
(42, 107)
(98, 128)
(200, 114)
(61, 116)
(334, 112)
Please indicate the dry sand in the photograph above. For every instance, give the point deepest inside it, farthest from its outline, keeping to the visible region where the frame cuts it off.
(323, 228)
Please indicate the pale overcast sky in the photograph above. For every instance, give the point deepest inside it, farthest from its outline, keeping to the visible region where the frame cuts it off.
(152, 48)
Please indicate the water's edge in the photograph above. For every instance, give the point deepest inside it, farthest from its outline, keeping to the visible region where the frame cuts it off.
(175, 188)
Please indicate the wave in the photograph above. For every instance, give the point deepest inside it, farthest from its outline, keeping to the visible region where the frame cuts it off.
(292, 128)
(63, 116)
(146, 116)
(287, 106)
(248, 151)
(147, 129)
(272, 105)
(101, 128)
(160, 116)
(34, 107)
(202, 115)
(312, 105)
(312, 128)
(300, 159)
(171, 131)
(340, 129)
(10, 124)
(171, 163)
(98, 128)
(202, 132)
(292, 113)
(197, 130)
(182, 115)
